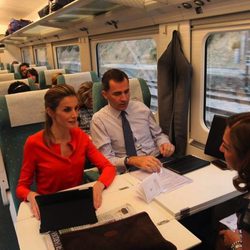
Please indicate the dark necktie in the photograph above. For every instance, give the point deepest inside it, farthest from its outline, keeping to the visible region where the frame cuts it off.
(128, 138)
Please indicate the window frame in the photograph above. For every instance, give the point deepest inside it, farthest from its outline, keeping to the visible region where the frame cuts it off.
(65, 44)
(35, 48)
(198, 128)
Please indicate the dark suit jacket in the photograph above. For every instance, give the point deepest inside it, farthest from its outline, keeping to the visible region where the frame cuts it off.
(174, 80)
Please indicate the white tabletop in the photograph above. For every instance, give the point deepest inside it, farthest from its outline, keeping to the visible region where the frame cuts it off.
(210, 187)
(119, 193)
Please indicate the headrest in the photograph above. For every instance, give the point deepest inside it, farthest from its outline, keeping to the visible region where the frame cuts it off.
(16, 67)
(75, 80)
(135, 90)
(6, 77)
(5, 85)
(26, 108)
(39, 68)
(50, 72)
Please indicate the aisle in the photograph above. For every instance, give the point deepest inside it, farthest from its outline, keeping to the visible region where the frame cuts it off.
(8, 239)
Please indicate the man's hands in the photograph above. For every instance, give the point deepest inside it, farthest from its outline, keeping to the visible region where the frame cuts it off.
(167, 149)
(148, 163)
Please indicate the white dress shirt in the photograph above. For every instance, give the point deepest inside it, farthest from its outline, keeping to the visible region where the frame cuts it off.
(107, 133)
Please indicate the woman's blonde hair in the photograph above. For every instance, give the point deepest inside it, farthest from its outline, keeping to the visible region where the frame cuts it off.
(52, 99)
(83, 93)
(54, 78)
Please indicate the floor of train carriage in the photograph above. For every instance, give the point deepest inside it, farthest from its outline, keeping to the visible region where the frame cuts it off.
(8, 239)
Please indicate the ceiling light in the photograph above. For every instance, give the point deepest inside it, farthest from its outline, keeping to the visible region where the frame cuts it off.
(199, 2)
(187, 5)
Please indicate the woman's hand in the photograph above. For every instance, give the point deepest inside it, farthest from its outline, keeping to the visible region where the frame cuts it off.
(34, 207)
(230, 237)
(97, 194)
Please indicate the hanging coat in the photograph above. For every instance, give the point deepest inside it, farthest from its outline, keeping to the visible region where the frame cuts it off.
(174, 80)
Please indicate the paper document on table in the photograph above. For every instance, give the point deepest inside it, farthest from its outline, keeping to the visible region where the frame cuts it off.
(156, 183)
(230, 222)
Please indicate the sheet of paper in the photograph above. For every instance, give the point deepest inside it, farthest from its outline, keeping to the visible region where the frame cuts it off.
(230, 222)
(150, 188)
(156, 183)
(170, 180)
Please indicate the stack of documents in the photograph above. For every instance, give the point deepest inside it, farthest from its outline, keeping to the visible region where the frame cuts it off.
(156, 183)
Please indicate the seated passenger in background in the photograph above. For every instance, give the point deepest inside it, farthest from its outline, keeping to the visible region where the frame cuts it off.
(85, 101)
(147, 138)
(236, 149)
(17, 87)
(54, 79)
(14, 62)
(56, 156)
(23, 67)
(33, 74)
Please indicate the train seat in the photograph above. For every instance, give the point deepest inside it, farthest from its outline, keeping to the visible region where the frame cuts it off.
(45, 77)
(76, 79)
(7, 76)
(4, 85)
(138, 91)
(4, 71)
(17, 121)
(39, 68)
(15, 68)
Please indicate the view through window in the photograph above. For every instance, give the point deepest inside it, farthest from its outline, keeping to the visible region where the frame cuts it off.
(227, 74)
(68, 57)
(137, 58)
(41, 56)
(26, 55)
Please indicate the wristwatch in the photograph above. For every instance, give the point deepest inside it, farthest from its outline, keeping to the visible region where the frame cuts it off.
(126, 160)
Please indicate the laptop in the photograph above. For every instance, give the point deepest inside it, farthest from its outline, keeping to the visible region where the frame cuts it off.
(214, 141)
(66, 209)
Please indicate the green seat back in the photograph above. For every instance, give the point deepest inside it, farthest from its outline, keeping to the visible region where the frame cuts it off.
(45, 77)
(12, 140)
(99, 101)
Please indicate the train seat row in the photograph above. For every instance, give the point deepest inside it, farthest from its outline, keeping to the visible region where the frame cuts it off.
(18, 121)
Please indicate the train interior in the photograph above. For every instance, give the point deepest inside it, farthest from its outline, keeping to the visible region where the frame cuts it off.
(92, 36)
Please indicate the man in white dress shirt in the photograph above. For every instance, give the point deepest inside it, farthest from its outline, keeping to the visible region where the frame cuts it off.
(107, 132)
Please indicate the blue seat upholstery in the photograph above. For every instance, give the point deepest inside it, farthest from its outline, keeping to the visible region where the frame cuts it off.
(138, 91)
(14, 132)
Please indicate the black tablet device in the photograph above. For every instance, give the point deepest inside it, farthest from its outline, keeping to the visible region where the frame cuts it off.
(215, 136)
(185, 164)
(214, 141)
(66, 209)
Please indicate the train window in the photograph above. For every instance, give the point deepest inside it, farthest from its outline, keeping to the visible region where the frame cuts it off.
(227, 74)
(68, 57)
(41, 58)
(26, 55)
(138, 58)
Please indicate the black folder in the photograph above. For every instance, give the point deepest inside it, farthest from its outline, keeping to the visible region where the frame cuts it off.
(135, 232)
(185, 164)
(66, 209)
